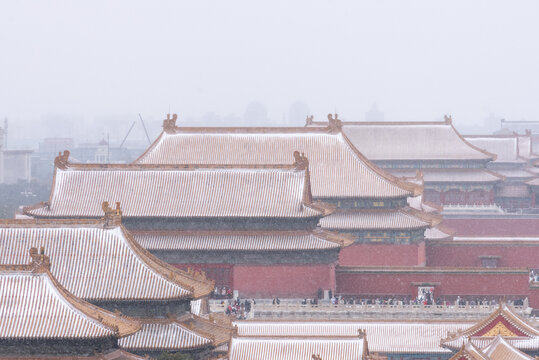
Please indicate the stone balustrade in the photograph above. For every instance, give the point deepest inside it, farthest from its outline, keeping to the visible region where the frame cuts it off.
(325, 310)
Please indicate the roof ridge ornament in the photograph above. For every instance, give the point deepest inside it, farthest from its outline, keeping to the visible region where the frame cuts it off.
(113, 217)
(169, 124)
(334, 123)
(448, 120)
(40, 262)
(300, 161)
(61, 161)
(309, 120)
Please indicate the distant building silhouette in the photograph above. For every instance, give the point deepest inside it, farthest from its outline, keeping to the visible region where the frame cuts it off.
(374, 114)
(15, 165)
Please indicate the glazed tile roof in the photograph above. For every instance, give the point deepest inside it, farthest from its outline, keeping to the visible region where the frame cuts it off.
(469, 352)
(470, 175)
(296, 349)
(352, 219)
(500, 349)
(534, 182)
(239, 240)
(179, 191)
(218, 327)
(516, 173)
(525, 147)
(187, 332)
(96, 262)
(497, 239)
(33, 305)
(412, 141)
(438, 233)
(338, 169)
(397, 337)
(504, 146)
(503, 321)
(163, 335)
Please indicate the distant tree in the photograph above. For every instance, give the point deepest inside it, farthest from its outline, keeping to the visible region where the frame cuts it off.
(21, 194)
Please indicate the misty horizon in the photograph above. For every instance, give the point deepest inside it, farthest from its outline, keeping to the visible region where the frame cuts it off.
(90, 69)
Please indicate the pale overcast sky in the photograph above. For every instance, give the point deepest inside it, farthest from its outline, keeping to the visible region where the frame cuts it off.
(105, 61)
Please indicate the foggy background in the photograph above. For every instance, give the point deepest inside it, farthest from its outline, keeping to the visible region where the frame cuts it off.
(86, 69)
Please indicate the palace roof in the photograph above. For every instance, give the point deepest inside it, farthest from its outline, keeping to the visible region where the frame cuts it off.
(412, 141)
(498, 349)
(164, 335)
(439, 233)
(503, 321)
(378, 219)
(181, 191)
(468, 351)
(448, 175)
(517, 174)
(501, 349)
(488, 240)
(397, 337)
(504, 146)
(297, 348)
(187, 332)
(338, 169)
(240, 240)
(533, 182)
(33, 305)
(511, 148)
(98, 262)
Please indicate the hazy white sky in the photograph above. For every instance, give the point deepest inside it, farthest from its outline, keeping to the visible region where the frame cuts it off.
(87, 60)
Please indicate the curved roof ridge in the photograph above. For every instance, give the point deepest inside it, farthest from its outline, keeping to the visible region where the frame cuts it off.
(196, 283)
(159, 280)
(415, 153)
(165, 150)
(109, 323)
(285, 181)
(491, 155)
(498, 341)
(414, 189)
(470, 352)
(503, 311)
(162, 333)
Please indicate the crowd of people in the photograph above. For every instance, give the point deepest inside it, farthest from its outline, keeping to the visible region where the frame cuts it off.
(238, 308)
(222, 293)
(421, 300)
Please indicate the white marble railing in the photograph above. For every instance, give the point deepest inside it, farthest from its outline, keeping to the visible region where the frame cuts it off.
(267, 306)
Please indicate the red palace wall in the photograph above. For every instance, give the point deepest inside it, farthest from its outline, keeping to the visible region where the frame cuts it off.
(220, 273)
(382, 255)
(283, 280)
(493, 227)
(534, 297)
(450, 285)
(468, 255)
